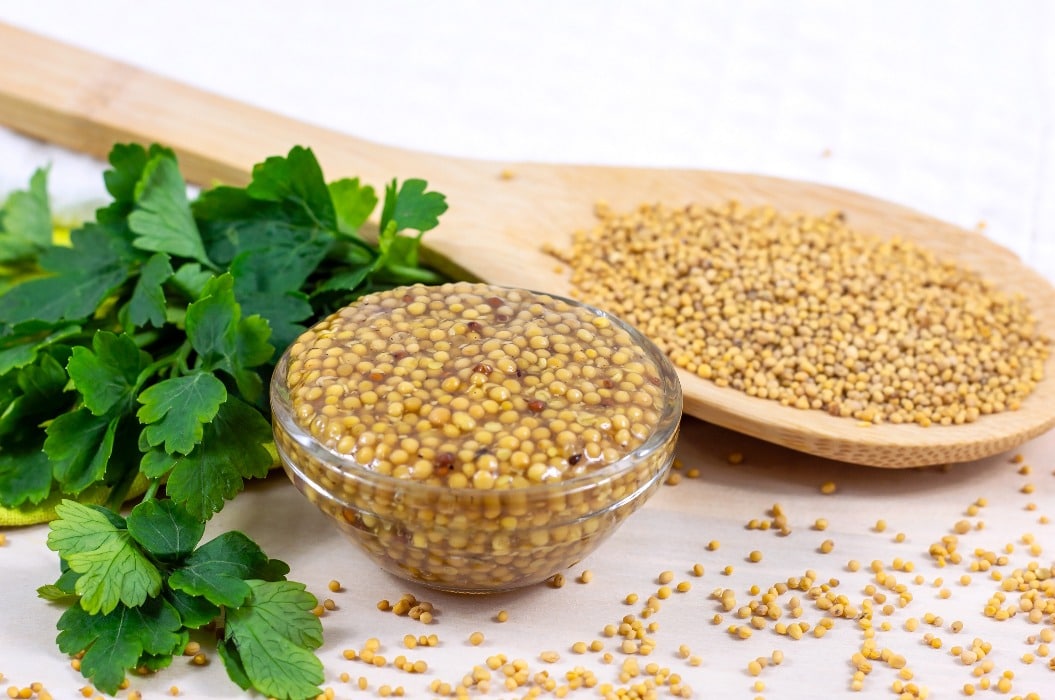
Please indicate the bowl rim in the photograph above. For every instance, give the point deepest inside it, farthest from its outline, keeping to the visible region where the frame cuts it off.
(665, 431)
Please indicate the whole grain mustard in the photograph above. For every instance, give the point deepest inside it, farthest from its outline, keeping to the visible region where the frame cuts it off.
(475, 437)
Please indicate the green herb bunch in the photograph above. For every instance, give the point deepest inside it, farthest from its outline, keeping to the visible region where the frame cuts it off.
(138, 355)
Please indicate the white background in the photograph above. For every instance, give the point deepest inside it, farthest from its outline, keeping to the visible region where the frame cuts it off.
(947, 107)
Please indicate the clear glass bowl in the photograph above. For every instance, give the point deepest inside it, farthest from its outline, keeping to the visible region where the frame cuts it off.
(471, 540)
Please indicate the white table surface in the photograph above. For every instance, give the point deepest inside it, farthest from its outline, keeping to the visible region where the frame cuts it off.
(948, 107)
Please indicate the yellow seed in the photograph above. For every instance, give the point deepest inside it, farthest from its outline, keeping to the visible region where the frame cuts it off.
(755, 556)
(476, 638)
(827, 546)
(502, 616)
(334, 586)
(586, 576)
(828, 488)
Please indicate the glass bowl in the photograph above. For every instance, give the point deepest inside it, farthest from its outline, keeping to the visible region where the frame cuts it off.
(559, 441)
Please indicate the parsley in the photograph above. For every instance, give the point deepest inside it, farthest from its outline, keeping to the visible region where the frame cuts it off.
(133, 350)
(138, 586)
(140, 351)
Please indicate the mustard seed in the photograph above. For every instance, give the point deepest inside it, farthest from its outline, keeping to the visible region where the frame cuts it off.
(847, 290)
(476, 638)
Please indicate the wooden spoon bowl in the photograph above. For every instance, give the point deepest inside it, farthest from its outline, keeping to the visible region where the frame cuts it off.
(502, 214)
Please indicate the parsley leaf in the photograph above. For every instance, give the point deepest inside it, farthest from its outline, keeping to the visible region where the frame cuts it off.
(20, 344)
(79, 445)
(162, 220)
(407, 207)
(106, 375)
(85, 274)
(226, 341)
(25, 473)
(353, 203)
(232, 450)
(25, 221)
(112, 567)
(219, 569)
(28, 399)
(296, 182)
(274, 633)
(29, 396)
(116, 640)
(165, 529)
(194, 611)
(175, 410)
(128, 161)
(147, 304)
(412, 207)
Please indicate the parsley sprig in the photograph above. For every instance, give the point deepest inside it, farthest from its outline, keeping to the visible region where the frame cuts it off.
(138, 353)
(140, 585)
(132, 351)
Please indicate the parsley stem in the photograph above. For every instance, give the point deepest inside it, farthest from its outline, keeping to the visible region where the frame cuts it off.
(152, 490)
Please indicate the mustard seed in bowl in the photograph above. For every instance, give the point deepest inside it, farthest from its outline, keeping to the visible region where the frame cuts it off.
(472, 437)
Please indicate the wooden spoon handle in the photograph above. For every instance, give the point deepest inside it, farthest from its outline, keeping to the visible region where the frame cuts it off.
(86, 102)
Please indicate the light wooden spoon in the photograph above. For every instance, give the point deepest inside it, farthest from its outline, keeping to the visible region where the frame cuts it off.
(501, 214)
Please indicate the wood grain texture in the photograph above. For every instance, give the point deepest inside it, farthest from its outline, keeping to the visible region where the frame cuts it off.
(496, 225)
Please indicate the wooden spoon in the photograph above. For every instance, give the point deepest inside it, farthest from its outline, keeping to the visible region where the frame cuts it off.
(501, 214)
